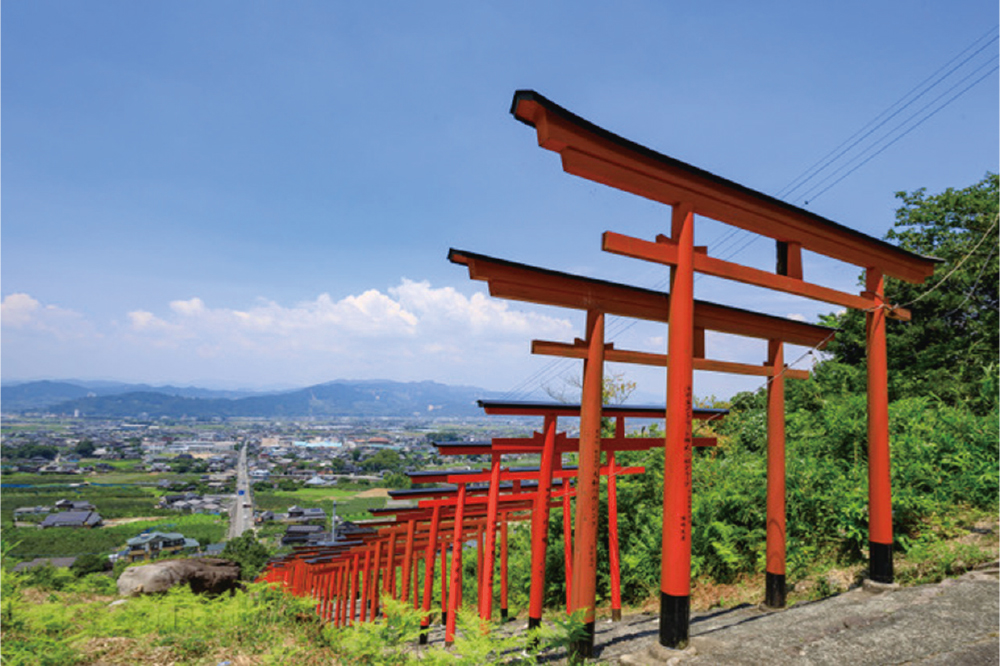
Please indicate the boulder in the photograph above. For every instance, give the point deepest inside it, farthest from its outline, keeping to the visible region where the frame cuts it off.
(209, 575)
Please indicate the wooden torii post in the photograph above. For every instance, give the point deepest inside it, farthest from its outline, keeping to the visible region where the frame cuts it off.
(591, 152)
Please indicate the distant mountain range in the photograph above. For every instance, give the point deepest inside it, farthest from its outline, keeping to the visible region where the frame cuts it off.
(337, 398)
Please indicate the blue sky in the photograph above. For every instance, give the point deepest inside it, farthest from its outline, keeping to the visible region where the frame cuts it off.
(254, 194)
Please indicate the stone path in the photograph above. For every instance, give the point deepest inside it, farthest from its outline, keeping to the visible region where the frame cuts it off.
(954, 622)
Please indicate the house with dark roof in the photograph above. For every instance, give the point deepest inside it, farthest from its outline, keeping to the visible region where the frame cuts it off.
(215, 549)
(73, 505)
(72, 519)
(297, 514)
(302, 535)
(24, 512)
(157, 544)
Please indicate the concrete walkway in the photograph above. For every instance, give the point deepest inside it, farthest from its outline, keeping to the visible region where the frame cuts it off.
(954, 622)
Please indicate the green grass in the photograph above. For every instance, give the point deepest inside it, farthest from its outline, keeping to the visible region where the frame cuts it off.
(261, 625)
(26, 543)
(349, 506)
(122, 477)
(111, 501)
(120, 465)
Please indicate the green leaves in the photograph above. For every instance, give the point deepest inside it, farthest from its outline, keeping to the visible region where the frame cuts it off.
(952, 337)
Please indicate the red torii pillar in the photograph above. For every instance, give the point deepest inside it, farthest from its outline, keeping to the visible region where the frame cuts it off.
(456, 568)
(879, 481)
(432, 540)
(675, 578)
(540, 524)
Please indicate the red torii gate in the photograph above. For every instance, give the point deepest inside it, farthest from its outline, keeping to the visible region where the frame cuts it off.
(591, 152)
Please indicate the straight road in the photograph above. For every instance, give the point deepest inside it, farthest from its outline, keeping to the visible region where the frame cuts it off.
(241, 517)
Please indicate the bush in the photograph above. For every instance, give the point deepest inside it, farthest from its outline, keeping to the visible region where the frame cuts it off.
(249, 553)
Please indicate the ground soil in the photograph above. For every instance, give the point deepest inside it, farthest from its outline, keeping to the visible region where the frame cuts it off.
(374, 492)
(111, 522)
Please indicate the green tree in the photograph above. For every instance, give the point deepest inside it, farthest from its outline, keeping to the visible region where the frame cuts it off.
(85, 448)
(249, 553)
(386, 459)
(950, 348)
(396, 480)
(90, 563)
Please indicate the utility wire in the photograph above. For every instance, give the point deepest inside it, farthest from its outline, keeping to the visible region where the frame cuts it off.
(813, 172)
(950, 273)
(913, 127)
(840, 150)
(972, 289)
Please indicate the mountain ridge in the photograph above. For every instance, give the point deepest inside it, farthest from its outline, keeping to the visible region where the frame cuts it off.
(339, 397)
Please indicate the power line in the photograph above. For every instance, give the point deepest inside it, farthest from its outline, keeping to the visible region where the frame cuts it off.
(913, 127)
(839, 151)
(954, 268)
(812, 172)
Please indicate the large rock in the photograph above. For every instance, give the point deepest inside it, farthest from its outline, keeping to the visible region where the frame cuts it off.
(204, 574)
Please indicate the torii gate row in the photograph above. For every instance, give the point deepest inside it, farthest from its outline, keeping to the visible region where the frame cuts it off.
(540, 507)
(551, 445)
(497, 475)
(495, 506)
(594, 153)
(324, 571)
(295, 572)
(492, 504)
(554, 470)
(469, 525)
(597, 297)
(388, 536)
(418, 543)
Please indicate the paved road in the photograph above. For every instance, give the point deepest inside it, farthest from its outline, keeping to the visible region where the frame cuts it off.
(241, 517)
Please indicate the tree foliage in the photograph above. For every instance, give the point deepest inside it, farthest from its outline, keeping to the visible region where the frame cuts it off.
(950, 348)
(249, 553)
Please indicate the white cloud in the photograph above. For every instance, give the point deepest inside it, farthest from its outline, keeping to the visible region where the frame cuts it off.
(434, 318)
(18, 310)
(22, 312)
(410, 331)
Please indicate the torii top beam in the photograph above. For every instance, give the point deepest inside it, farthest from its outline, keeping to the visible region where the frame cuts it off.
(595, 153)
(537, 408)
(520, 282)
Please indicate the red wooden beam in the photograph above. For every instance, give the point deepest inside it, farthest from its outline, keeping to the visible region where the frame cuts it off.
(521, 282)
(599, 155)
(576, 350)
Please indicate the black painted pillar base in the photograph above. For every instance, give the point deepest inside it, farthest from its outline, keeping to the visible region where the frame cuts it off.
(584, 647)
(774, 590)
(503, 615)
(423, 635)
(533, 623)
(616, 614)
(675, 620)
(444, 618)
(880, 562)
